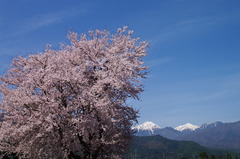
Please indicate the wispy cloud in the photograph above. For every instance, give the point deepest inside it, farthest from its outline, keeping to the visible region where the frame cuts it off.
(214, 92)
(184, 26)
(196, 25)
(39, 21)
(159, 61)
(195, 21)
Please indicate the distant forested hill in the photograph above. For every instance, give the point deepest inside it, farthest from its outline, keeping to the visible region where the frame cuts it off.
(158, 147)
(222, 136)
(215, 135)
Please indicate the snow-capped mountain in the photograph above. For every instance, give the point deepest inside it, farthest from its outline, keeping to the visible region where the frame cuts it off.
(215, 135)
(148, 126)
(206, 126)
(186, 127)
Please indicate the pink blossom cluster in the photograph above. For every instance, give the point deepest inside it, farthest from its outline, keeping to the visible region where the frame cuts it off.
(72, 101)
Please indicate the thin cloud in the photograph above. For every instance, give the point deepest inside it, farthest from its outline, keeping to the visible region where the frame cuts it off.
(197, 24)
(195, 21)
(184, 26)
(225, 87)
(159, 61)
(40, 21)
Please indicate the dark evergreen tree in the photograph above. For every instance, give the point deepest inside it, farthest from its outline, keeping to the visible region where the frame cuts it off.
(213, 157)
(229, 156)
(203, 155)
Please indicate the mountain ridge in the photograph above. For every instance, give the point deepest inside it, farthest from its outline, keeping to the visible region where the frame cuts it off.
(158, 147)
(214, 135)
(150, 126)
(186, 126)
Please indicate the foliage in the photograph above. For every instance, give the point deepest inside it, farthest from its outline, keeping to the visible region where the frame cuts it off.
(229, 156)
(71, 102)
(203, 155)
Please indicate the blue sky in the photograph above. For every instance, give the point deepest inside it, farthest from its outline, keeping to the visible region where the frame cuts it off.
(194, 58)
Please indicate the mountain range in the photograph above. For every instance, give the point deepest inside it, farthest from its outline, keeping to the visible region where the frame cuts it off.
(158, 147)
(215, 135)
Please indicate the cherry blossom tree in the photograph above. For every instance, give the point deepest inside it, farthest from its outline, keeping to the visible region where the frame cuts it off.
(71, 102)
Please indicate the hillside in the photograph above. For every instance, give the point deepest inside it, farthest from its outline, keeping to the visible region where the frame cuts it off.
(222, 136)
(215, 135)
(158, 147)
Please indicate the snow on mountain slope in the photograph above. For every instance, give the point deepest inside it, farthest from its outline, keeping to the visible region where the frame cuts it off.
(187, 126)
(150, 126)
(212, 125)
